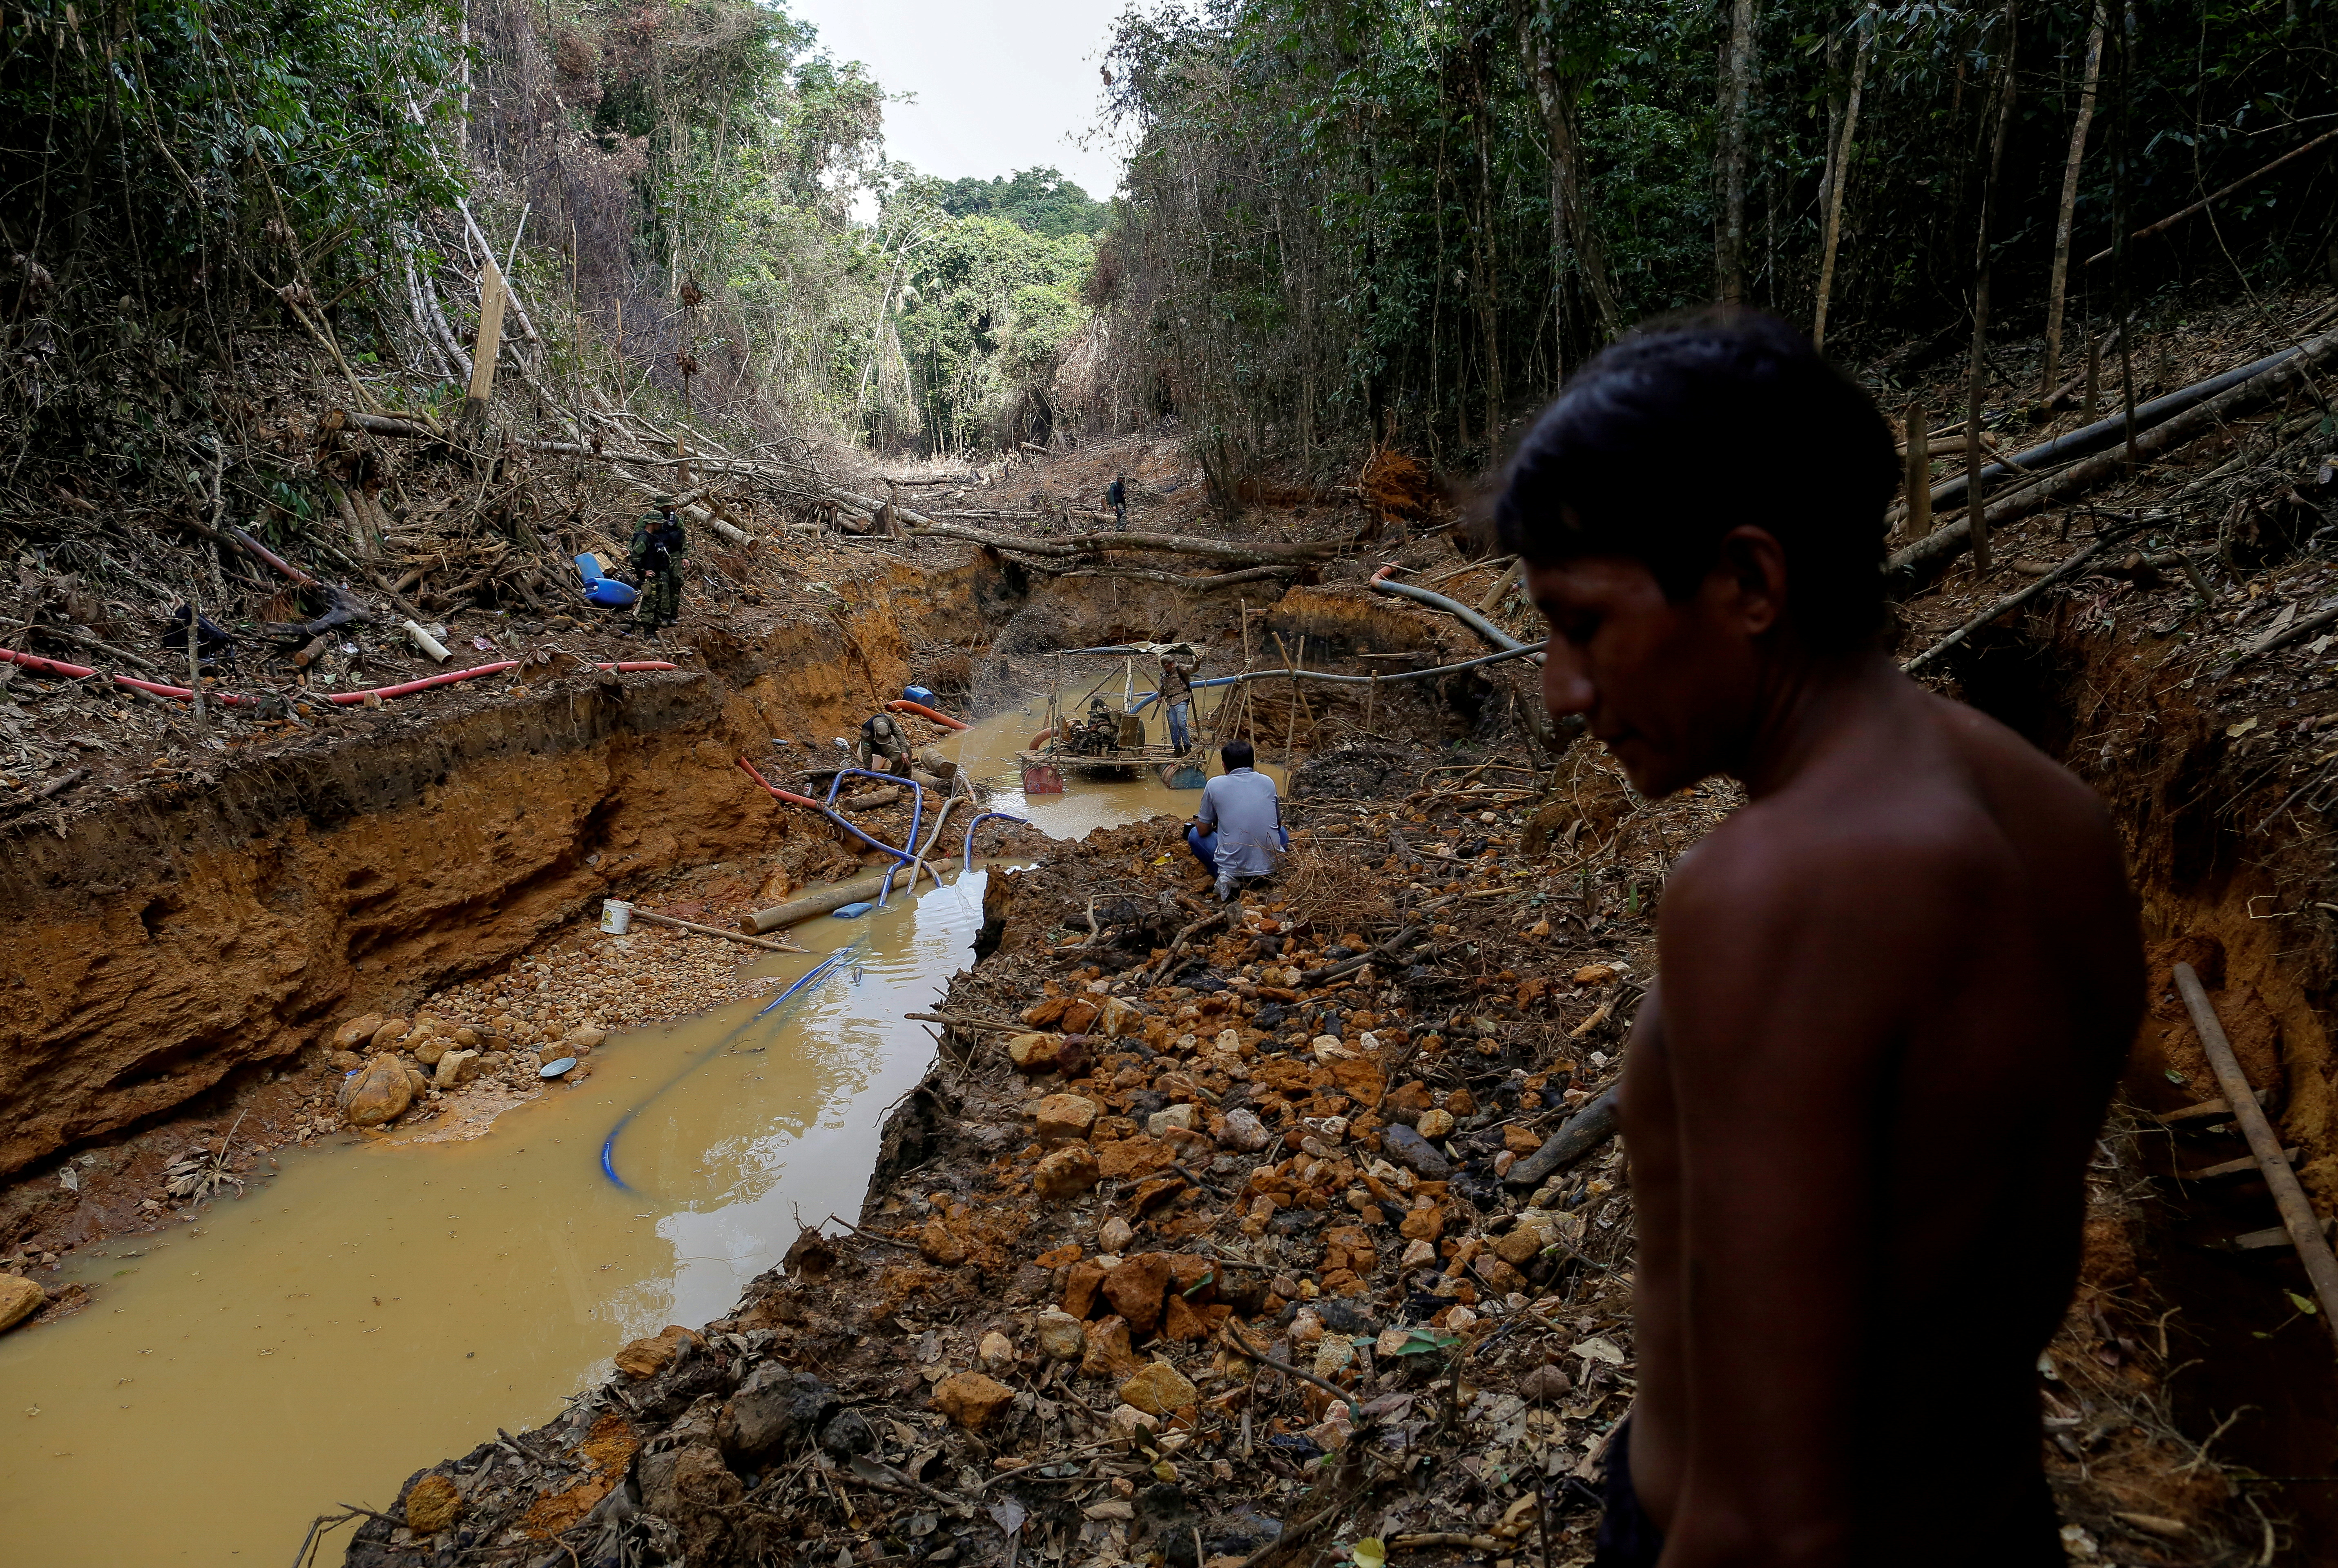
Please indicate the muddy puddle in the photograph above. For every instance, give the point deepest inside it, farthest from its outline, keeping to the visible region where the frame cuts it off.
(376, 1307)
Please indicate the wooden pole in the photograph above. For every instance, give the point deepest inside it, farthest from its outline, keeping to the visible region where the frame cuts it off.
(640, 914)
(1291, 720)
(491, 335)
(195, 662)
(1919, 471)
(2297, 1216)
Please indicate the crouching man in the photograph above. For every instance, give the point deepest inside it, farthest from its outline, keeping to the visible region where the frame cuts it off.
(1238, 831)
(1897, 985)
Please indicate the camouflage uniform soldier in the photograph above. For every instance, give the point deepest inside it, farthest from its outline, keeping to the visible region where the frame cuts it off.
(657, 540)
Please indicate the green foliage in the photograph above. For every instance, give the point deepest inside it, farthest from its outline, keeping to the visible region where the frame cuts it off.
(987, 308)
(1338, 217)
(153, 140)
(1039, 200)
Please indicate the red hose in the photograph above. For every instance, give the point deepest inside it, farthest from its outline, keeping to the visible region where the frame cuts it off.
(339, 698)
(55, 666)
(791, 797)
(345, 699)
(81, 672)
(903, 705)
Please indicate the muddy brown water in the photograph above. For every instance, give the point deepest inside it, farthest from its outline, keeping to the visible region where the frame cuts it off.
(381, 1305)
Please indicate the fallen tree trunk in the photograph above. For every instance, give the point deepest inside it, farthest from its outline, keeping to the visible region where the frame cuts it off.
(374, 424)
(2104, 434)
(2272, 378)
(1191, 584)
(1098, 543)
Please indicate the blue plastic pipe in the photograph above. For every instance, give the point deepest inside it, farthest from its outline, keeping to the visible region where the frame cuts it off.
(826, 966)
(966, 862)
(916, 815)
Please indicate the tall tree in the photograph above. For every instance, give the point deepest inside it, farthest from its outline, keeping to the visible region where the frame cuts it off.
(1841, 176)
(1977, 369)
(1557, 87)
(2058, 286)
(1736, 90)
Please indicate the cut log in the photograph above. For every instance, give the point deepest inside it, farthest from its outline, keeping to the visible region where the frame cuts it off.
(1175, 580)
(374, 425)
(1071, 545)
(2272, 377)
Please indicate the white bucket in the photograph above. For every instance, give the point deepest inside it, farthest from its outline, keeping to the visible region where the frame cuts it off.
(616, 916)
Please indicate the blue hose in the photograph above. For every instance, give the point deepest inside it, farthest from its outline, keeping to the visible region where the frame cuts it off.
(917, 816)
(966, 862)
(819, 971)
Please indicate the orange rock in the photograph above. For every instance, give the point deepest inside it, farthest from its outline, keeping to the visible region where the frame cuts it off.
(1127, 1159)
(970, 1399)
(1047, 1011)
(1108, 1353)
(1360, 1079)
(1080, 1292)
(1069, 1252)
(648, 1357)
(940, 1244)
(1595, 975)
(1413, 1096)
(1064, 1118)
(1135, 1288)
(1068, 1172)
(1183, 1322)
(1352, 1240)
(1518, 1140)
(1155, 1193)
(1186, 1270)
(1461, 1103)
(1423, 1224)
(1078, 1014)
(1158, 1390)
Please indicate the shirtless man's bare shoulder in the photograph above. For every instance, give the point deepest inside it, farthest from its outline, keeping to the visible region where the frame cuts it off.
(1915, 920)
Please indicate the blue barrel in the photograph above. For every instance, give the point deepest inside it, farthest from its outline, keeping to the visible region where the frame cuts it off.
(919, 694)
(854, 911)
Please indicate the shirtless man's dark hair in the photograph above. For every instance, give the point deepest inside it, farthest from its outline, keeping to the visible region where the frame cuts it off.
(1897, 985)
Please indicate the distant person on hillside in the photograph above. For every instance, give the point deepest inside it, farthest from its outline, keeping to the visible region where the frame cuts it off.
(657, 540)
(1115, 496)
(1177, 700)
(1915, 915)
(1238, 831)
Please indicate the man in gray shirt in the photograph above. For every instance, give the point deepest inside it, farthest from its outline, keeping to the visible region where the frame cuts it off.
(1238, 831)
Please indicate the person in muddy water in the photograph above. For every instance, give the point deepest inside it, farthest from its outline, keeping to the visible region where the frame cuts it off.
(1897, 985)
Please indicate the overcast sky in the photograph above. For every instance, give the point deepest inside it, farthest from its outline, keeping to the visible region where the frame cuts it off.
(999, 87)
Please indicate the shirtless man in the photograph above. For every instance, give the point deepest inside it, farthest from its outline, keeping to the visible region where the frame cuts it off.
(1897, 985)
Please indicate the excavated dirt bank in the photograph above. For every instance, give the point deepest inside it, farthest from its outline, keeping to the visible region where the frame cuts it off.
(183, 936)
